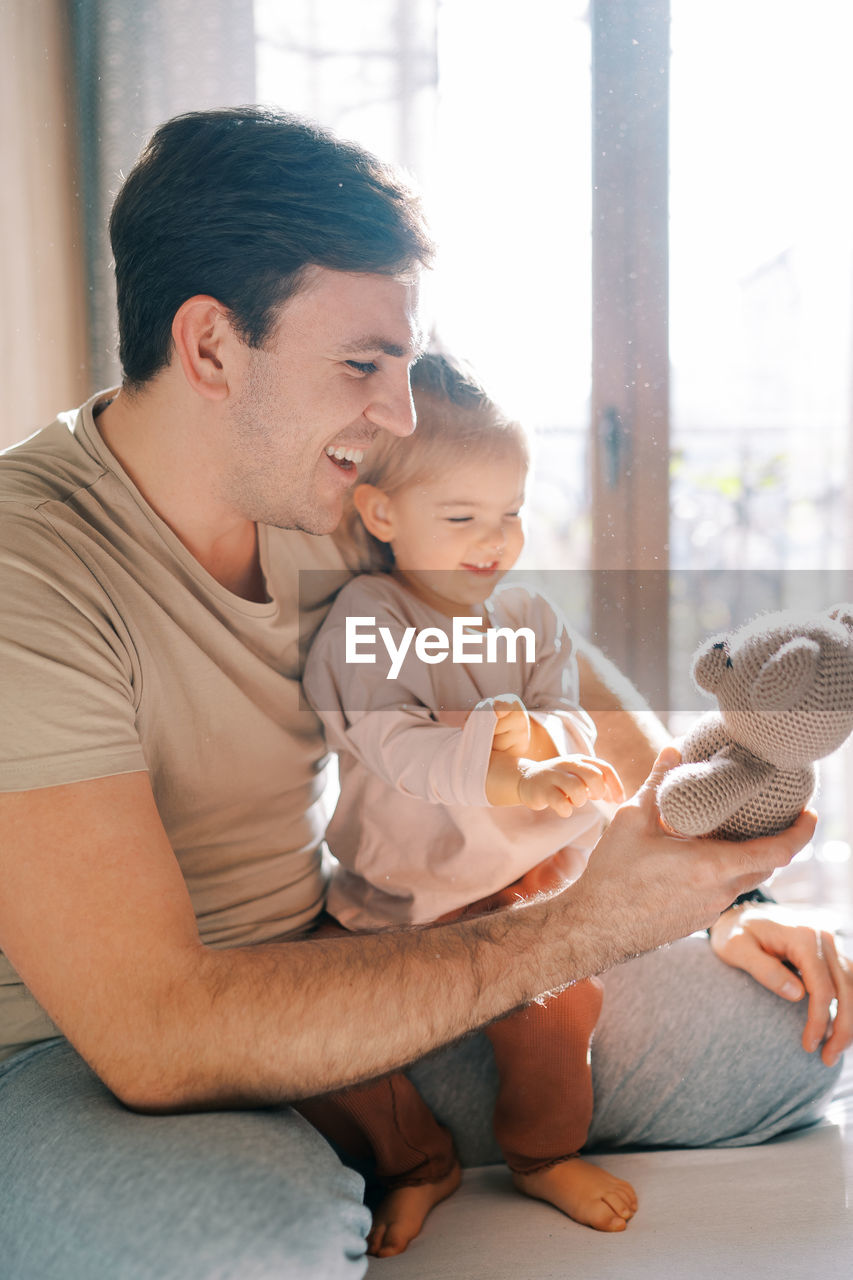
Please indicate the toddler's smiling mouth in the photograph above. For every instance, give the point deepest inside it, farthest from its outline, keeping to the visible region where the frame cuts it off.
(485, 569)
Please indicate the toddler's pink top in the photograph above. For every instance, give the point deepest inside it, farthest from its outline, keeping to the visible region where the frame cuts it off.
(413, 832)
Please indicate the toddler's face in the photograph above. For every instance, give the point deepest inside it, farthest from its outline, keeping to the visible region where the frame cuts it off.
(456, 535)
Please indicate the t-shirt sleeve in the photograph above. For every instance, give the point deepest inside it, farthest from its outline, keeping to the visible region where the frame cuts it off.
(67, 669)
(386, 726)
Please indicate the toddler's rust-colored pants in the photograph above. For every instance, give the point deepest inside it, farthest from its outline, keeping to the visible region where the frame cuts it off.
(544, 1103)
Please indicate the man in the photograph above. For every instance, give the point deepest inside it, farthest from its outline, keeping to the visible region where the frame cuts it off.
(162, 810)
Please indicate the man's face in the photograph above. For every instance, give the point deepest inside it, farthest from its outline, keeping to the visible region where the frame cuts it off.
(306, 407)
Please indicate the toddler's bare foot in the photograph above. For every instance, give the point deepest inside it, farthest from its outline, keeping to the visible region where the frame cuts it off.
(583, 1191)
(403, 1212)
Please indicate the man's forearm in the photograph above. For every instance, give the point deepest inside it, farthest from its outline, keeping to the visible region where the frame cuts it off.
(284, 1021)
(170, 1024)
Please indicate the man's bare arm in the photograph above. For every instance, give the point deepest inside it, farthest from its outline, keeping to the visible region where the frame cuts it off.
(629, 734)
(96, 918)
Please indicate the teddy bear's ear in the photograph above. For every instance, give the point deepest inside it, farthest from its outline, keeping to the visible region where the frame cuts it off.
(786, 676)
(709, 663)
(843, 613)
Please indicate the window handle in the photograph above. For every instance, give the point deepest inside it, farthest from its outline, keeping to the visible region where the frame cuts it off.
(615, 446)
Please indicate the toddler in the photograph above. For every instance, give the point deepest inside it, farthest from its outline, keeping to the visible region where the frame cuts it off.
(464, 786)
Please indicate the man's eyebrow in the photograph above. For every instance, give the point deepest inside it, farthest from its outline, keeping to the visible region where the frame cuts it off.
(372, 342)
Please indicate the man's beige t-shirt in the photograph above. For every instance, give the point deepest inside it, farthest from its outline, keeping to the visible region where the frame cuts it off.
(118, 652)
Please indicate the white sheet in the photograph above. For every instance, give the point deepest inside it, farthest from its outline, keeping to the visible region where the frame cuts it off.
(783, 1211)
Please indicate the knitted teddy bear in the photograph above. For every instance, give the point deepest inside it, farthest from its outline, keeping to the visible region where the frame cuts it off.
(784, 685)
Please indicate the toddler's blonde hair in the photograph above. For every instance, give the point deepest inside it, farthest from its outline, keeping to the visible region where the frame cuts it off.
(457, 420)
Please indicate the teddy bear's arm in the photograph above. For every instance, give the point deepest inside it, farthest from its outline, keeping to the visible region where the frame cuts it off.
(696, 798)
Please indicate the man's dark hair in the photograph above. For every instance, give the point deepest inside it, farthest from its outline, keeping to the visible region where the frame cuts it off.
(236, 204)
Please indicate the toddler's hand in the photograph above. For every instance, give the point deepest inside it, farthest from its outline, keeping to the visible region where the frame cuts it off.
(567, 782)
(512, 731)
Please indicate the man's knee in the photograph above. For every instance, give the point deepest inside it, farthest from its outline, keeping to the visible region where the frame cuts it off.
(690, 1052)
(306, 1220)
(300, 1228)
(90, 1191)
(223, 1223)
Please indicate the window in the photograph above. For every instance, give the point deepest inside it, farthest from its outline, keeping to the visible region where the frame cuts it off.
(645, 220)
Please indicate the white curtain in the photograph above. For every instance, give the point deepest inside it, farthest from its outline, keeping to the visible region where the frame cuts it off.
(137, 64)
(82, 84)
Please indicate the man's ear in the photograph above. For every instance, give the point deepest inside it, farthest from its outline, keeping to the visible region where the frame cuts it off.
(202, 334)
(374, 507)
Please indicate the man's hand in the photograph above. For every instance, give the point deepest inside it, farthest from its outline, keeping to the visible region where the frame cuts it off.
(764, 940)
(567, 782)
(512, 731)
(645, 886)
